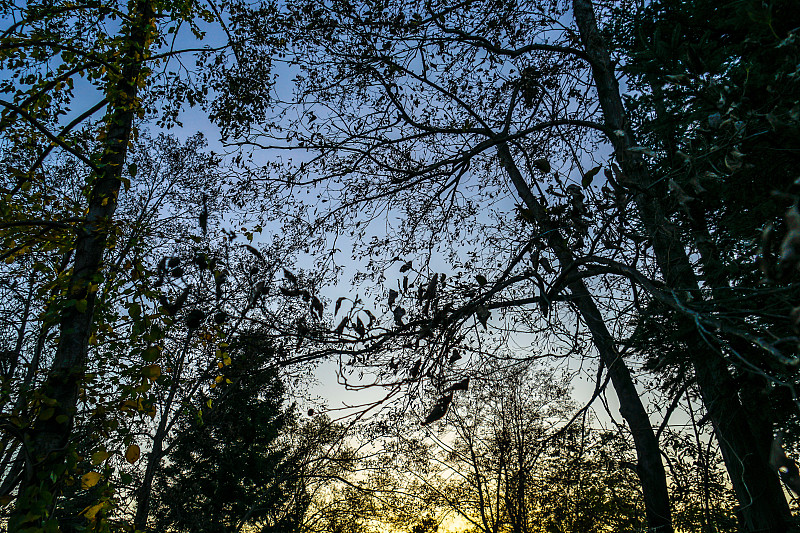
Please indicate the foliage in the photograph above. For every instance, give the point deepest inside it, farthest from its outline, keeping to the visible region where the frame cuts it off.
(464, 154)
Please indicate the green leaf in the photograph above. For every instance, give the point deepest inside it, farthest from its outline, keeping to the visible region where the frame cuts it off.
(151, 372)
(481, 280)
(151, 353)
(132, 169)
(99, 457)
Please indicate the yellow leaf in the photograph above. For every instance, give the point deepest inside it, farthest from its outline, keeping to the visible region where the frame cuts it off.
(151, 371)
(46, 414)
(91, 511)
(218, 379)
(220, 365)
(132, 453)
(89, 480)
(99, 457)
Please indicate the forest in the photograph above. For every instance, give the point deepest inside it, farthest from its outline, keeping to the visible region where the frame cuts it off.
(413, 266)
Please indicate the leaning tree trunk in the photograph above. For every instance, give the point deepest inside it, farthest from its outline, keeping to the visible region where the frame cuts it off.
(762, 503)
(649, 466)
(48, 442)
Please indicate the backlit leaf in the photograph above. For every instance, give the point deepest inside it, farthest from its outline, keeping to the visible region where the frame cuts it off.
(132, 453)
(90, 479)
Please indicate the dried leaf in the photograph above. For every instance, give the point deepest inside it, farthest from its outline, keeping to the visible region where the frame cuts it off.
(132, 454)
(316, 306)
(398, 315)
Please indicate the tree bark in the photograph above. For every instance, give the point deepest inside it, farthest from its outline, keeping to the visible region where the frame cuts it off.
(763, 506)
(49, 439)
(649, 467)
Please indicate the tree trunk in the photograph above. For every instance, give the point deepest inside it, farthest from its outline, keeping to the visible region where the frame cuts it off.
(157, 454)
(762, 503)
(649, 467)
(49, 439)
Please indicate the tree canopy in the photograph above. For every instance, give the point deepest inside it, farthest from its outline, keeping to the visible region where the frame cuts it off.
(449, 203)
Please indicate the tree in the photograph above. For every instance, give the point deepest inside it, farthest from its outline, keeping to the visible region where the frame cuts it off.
(430, 132)
(511, 456)
(227, 468)
(745, 444)
(424, 60)
(107, 50)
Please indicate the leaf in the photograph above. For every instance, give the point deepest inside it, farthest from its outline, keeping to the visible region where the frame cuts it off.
(481, 280)
(316, 306)
(393, 294)
(151, 372)
(132, 454)
(253, 250)
(542, 165)
(455, 357)
(90, 479)
(460, 385)
(80, 305)
(359, 327)
(91, 511)
(439, 409)
(406, 267)
(483, 314)
(132, 170)
(398, 315)
(417, 367)
(546, 265)
(430, 291)
(151, 353)
(291, 277)
(99, 457)
(588, 176)
(642, 150)
(339, 304)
